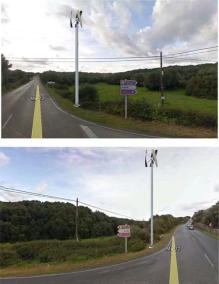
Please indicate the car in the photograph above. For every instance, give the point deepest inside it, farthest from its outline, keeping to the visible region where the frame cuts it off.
(191, 227)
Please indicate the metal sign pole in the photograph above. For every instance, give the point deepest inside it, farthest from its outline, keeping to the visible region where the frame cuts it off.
(126, 106)
(126, 245)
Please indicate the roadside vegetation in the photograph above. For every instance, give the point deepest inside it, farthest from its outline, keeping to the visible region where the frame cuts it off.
(190, 91)
(36, 268)
(153, 128)
(208, 220)
(43, 232)
(12, 79)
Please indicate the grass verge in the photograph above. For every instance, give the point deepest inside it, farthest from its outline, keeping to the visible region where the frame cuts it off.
(153, 128)
(28, 269)
(209, 233)
(176, 99)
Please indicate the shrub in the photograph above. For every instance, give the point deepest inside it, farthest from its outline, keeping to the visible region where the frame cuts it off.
(88, 95)
(8, 257)
(203, 86)
(134, 245)
(66, 94)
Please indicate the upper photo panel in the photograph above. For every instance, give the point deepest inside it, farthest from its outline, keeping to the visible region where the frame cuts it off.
(109, 68)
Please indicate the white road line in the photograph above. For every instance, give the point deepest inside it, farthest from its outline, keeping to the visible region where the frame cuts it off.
(208, 259)
(88, 131)
(6, 122)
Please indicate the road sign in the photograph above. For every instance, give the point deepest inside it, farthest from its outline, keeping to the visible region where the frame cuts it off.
(124, 231)
(127, 87)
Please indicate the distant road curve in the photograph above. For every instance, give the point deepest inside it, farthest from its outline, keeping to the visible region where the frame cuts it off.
(196, 256)
(25, 115)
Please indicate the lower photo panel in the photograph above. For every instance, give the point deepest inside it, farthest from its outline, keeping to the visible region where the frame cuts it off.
(109, 215)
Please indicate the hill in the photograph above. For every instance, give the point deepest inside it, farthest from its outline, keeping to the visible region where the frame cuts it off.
(35, 220)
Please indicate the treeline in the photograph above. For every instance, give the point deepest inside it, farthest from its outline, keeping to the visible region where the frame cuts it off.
(208, 216)
(35, 220)
(11, 79)
(199, 80)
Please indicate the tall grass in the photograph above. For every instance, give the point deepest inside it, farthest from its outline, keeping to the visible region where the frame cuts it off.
(59, 251)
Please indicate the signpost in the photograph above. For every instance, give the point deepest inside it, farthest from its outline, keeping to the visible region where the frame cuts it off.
(127, 88)
(124, 232)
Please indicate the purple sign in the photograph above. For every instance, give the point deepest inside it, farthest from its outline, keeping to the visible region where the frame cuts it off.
(127, 87)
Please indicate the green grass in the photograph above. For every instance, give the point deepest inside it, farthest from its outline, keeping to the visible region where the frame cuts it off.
(156, 128)
(34, 267)
(174, 99)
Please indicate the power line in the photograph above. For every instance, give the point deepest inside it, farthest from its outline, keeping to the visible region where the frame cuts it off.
(24, 192)
(189, 51)
(190, 54)
(193, 51)
(118, 61)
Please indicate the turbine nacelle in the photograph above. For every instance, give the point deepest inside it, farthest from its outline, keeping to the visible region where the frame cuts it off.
(152, 160)
(77, 18)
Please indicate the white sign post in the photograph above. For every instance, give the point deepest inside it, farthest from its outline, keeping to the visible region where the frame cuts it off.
(127, 88)
(124, 232)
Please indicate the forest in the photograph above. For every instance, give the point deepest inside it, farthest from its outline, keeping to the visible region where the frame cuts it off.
(11, 79)
(208, 216)
(35, 220)
(198, 80)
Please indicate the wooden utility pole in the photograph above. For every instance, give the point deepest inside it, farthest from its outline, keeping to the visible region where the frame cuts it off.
(76, 221)
(162, 97)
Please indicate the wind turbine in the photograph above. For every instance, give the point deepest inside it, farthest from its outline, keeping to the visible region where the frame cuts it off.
(77, 19)
(150, 163)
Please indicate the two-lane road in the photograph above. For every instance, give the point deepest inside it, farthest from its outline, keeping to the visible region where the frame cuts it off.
(29, 111)
(191, 258)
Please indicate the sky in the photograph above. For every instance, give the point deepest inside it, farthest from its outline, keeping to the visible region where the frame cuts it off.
(185, 181)
(111, 28)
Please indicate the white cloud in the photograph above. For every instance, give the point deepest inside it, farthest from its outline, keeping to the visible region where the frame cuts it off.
(40, 188)
(4, 159)
(40, 28)
(216, 189)
(180, 23)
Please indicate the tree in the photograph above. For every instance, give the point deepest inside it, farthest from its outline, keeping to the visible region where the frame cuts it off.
(208, 216)
(203, 85)
(5, 69)
(152, 81)
(88, 94)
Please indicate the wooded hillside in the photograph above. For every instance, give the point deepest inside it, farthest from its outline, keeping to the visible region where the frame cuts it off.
(35, 220)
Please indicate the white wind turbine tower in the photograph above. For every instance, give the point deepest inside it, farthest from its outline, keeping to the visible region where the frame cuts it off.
(77, 19)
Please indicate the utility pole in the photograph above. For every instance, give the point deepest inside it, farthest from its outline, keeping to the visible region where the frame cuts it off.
(76, 221)
(162, 97)
(150, 163)
(77, 20)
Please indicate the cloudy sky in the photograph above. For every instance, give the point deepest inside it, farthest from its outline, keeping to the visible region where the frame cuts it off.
(185, 181)
(111, 28)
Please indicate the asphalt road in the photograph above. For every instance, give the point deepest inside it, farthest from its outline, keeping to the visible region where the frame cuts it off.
(196, 257)
(18, 109)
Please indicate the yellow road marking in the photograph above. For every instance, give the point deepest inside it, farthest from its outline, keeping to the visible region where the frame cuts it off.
(37, 124)
(174, 279)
